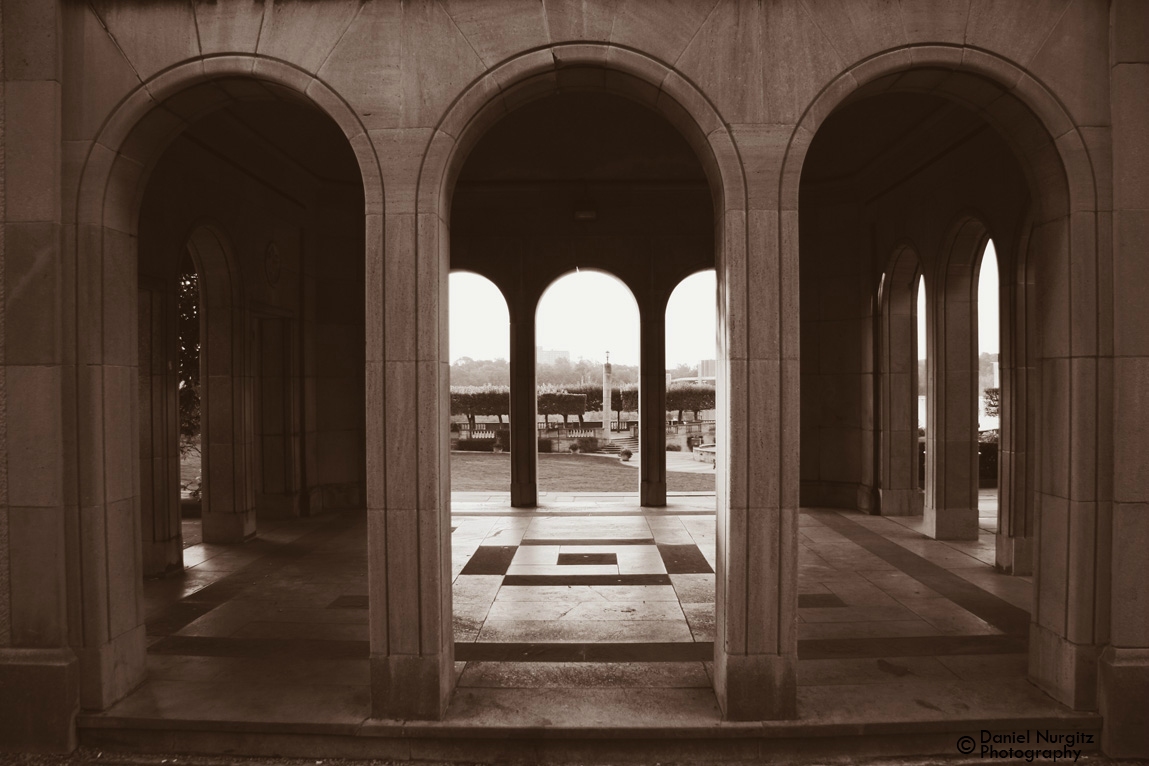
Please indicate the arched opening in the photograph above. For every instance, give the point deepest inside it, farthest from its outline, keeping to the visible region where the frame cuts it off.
(915, 155)
(587, 367)
(254, 192)
(988, 388)
(691, 379)
(583, 183)
(921, 389)
(480, 385)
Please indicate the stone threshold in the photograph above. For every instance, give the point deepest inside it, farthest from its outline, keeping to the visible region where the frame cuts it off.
(701, 740)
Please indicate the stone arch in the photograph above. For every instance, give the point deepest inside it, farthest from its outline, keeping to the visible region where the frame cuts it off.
(1060, 264)
(104, 221)
(898, 367)
(746, 662)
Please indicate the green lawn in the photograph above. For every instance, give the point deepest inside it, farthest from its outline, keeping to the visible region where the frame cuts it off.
(487, 471)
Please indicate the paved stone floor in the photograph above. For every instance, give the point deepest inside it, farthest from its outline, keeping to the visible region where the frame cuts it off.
(587, 611)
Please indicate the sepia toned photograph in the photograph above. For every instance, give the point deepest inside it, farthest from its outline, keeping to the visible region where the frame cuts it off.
(574, 382)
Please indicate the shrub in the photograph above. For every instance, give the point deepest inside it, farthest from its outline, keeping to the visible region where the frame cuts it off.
(572, 448)
(587, 444)
(475, 445)
(674, 447)
(624, 454)
(545, 445)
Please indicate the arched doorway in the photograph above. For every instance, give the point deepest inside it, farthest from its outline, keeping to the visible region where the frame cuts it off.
(1022, 192)
(276, 244)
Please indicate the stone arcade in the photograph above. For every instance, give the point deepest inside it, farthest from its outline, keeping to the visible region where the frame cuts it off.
(327, 164)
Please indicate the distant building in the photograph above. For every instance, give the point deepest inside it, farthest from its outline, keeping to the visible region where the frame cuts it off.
(551, 355)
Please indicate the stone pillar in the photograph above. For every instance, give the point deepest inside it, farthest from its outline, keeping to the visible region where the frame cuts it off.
(159, 429)
(524, 405)
(755, 647)
(1123, 681)
(898, 391)
(226, 397)
(951, 431)
(39, 678)
(1016, 525)
(652, 404)
(607, 385)
(408, 461)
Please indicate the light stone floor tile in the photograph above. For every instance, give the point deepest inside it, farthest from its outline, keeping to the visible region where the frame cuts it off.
(700, 618)
(573, 594)
(887, 629)
(899, 584)
(694, 588)
(878, 613)
(585, 630)
(949, 617)
(563, 569)
(860, 592)
(870, 670)
(538, 675)
(585, 610)
(611, 528)
(987, 665)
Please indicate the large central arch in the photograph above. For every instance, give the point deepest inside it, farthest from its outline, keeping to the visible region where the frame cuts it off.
(755, 649)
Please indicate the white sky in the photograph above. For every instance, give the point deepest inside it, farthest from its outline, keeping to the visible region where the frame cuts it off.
(588, 312)
(585, 313)
(988, 328)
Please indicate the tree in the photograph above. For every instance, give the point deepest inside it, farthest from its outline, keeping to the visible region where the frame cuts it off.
(694, 397)
(992, 402)
(188, 328)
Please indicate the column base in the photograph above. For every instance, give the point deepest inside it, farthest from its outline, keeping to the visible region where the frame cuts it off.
(228, 527)
(902, 502)
(1123, 697)
(524, 495)
(652, 494)
(163, 558)
(108, 672)
(950, 523)
(756, 687)
(1015, 555)
(40, 700)
(1062, 669)
(408, 687)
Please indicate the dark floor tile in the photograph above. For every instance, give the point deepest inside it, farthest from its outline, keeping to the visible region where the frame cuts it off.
(349, 602)
(577, 559)
(910, 646)
(490, 560)
(176, 617)
(592, 541)
(684, 559)
(996, 611)
(585, 652)
(635, 579)
(818, 600)
(306, 648)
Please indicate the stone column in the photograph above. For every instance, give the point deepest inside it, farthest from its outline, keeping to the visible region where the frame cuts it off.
(1123, 688)
(39, 677)
(1016, 525)
(524, 417)
(898, 391)
(951, 431)
(159, 429)
(755, 648)
(652, 403)
(408, 460)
